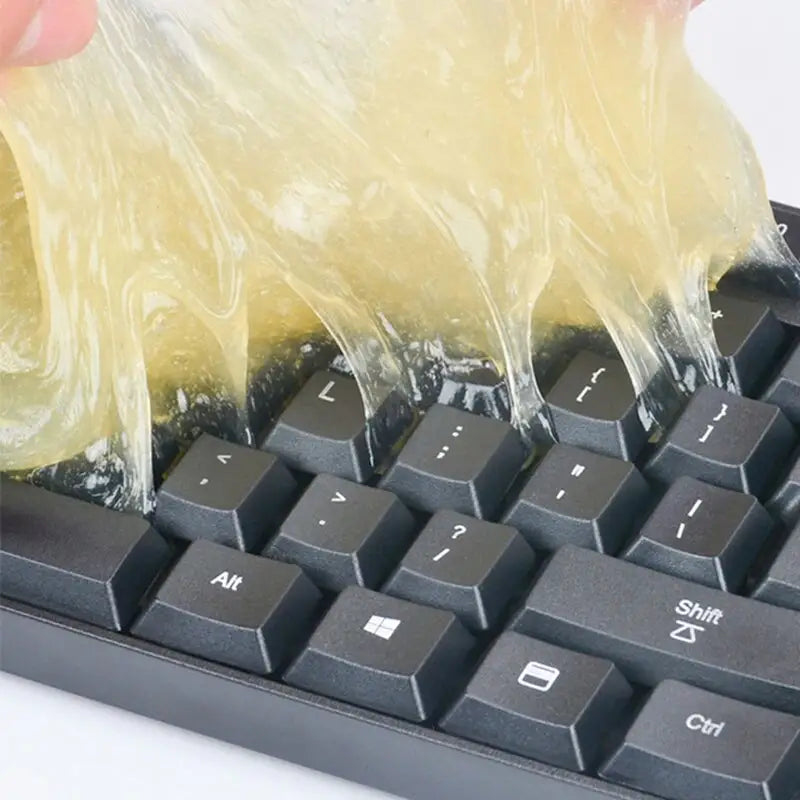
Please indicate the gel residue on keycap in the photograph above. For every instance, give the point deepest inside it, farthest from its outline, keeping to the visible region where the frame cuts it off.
(212, 186)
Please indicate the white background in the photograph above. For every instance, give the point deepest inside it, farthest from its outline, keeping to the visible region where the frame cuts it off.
(54, 745)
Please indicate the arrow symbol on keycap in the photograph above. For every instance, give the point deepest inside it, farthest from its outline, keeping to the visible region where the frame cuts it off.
(223, 459)
(338, 498)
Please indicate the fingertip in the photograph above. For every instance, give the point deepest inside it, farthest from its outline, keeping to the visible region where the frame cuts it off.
(61, 28)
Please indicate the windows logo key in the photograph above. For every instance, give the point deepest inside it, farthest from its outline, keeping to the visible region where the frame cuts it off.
(382, 626)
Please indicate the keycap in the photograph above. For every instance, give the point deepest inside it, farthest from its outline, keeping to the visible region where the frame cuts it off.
(236, 608)
(542, 702)
(727, 440)
(781, 585)
(768, 285)
(225, 493)
(788, 221)
(654, 626)
(469, 566)
(479, 390)
(324, 429)
(785, 503)
(384, 653)
(75, 558)
(578, 497)
(784, 390)
(593, 405)
(458, 461)
(343, 533)
(690, 744)
(704, 534)
(749, 338)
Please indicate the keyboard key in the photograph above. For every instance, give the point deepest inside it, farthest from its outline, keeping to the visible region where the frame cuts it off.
(456, 460)
(654, 627)
(785, 503)
(75, 558)
(727, 440)
(479, 390)
(225, 493)
(749, 338)
(784, 391)
(781, 585)
(578, 497)
(768, 286)
(689, 744)
(465, 565)
(704, 534)
(542, 702)
(236, 608)
(342, 533)
(593, 405)
(324, 429)
(788, 221)
(383, 653)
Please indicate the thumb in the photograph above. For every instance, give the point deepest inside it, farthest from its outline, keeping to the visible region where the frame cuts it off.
(36, 32)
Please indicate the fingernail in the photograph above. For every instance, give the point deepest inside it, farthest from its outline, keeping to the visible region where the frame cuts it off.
(29, 40)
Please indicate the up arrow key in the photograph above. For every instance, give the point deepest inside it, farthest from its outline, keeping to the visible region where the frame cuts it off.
(223, 459)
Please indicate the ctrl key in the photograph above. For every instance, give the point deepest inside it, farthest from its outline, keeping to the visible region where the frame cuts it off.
(690, 744)
(239, 609)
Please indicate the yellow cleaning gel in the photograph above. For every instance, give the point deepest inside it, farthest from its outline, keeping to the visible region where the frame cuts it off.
(211, 187)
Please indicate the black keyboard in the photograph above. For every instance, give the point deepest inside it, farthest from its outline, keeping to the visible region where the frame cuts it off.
(614, 617)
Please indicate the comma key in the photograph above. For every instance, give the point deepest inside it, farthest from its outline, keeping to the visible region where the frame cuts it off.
(689, 744)
(224, 492)
(655, 627)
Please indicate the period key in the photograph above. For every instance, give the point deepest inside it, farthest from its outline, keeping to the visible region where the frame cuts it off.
(690, 744)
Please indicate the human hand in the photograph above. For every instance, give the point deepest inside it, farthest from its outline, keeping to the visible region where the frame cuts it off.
(36, 32)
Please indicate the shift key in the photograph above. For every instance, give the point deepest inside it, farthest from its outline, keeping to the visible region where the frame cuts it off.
(656, 627)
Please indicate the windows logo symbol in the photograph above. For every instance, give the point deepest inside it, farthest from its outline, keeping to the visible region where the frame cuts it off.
(382, 626)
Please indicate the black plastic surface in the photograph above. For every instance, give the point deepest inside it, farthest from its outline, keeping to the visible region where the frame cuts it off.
(275, 719)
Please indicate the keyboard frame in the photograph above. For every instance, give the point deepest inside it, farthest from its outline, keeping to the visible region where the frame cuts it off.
(275, 719)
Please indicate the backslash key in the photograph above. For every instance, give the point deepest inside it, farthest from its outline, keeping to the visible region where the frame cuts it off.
(656, 627)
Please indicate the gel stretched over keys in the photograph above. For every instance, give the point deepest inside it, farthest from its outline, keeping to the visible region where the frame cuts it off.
(211, 186)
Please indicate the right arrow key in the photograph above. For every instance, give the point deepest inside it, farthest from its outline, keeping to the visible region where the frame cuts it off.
(689, 744)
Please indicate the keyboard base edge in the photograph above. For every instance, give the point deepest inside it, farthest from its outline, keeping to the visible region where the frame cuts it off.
(272, 718)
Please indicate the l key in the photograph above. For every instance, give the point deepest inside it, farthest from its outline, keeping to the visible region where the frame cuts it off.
(654, 627)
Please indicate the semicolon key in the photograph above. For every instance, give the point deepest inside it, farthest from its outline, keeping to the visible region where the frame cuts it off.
(226, 493)
(324, 429)
(456, 460)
